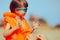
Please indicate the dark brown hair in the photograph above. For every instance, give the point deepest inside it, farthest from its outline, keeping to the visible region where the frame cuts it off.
(18, 3)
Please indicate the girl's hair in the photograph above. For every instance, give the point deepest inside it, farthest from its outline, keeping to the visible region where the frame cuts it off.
(18, 3)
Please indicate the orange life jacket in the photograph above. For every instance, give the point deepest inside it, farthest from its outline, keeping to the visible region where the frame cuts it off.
(19, 34)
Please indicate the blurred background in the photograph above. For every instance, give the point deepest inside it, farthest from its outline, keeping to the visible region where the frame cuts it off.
(45, 13)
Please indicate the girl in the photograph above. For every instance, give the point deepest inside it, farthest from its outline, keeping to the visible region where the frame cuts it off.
(15, 25)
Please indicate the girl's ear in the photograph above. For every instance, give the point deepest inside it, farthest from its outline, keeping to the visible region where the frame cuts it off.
(16, 10)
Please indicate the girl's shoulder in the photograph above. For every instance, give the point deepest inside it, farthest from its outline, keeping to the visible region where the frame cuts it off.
(10, 14)
(9, 18)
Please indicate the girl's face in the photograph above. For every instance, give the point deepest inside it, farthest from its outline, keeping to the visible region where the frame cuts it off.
(21, 11)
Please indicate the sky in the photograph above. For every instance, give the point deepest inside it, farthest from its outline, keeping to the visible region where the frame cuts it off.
(48, 9)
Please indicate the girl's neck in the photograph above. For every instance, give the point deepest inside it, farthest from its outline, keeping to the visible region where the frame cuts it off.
(21, 17)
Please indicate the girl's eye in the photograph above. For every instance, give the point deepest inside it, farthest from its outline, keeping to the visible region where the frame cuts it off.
(24, 9)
